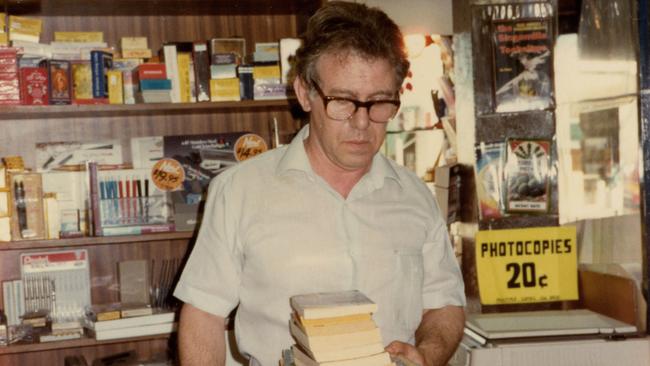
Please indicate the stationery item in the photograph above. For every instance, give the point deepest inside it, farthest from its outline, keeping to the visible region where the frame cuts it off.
(73, 155)
(119, 207)
(134, 278)
(27, 216)
(56, 281)
(202, 157)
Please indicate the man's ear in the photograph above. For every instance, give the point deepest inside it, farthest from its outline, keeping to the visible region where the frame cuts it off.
(302, 93)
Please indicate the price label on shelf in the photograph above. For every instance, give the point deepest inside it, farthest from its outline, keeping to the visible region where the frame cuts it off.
(527, 265)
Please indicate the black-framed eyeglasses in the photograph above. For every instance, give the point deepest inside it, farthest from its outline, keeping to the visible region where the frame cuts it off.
(341, 109)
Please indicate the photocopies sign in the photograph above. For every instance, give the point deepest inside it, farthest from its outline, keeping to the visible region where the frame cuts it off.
(527, 265)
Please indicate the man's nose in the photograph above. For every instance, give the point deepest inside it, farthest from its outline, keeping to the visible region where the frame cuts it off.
(361, 118)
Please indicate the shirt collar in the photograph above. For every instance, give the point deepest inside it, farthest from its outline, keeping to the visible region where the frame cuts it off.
(295, 158)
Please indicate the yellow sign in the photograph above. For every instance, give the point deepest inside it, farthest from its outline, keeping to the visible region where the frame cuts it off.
(527, 265)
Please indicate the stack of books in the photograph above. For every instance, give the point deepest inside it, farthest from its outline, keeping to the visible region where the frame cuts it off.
(335, 329)
(103, 326)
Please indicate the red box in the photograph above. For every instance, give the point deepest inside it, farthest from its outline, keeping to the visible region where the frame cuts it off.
(33, 86)
(152, 71)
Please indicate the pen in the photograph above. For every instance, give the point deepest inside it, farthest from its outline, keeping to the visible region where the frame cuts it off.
(19, 191)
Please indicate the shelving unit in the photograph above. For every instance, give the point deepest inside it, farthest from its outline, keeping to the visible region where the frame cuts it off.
(161, 21)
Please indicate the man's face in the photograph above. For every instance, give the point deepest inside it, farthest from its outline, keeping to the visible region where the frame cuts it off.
(349, 144)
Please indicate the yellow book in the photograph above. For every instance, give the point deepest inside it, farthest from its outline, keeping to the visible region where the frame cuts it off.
(331, 342)
(136, 53)
(115, 91)
(79, 36)
(338, 328)
(336, 320)
(134, 43)
(25, 25)
(82, 80)
(184, 60)
(222, 90)
(266, 72)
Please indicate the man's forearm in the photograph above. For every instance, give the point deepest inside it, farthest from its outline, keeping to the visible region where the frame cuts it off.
(201, 339)
(439, 333)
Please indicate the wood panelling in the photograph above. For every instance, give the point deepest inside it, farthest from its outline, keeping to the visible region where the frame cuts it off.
(161, 21)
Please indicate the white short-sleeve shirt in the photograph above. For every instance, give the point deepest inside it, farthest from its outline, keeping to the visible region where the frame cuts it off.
(272, 229)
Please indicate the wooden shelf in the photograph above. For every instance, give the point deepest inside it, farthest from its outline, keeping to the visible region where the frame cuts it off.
(76, 343)
(102, 110)
(94, 240)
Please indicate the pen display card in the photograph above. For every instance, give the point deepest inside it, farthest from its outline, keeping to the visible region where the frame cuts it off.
(527, 176)
(27, 221)
(126, 202)
(74, 155)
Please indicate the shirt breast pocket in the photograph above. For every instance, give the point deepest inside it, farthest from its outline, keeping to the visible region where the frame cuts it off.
(409, 275)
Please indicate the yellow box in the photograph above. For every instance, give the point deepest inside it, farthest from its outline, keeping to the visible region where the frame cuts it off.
(140, 53)
(4, 40)
(266, 72)
(79, 36)
(134, 43)
(25, 25)
(115, 91)
(3, 22)
(222, 90)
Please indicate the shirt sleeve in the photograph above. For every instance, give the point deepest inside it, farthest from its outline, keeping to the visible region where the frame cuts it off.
(443, 280)
(211, 277)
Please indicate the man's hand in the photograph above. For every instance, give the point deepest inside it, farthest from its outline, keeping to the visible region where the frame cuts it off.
(436, 338)
(405, 352)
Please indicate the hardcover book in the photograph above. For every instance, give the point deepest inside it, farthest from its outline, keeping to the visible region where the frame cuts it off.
(82, 81)
(34, 84)
(101, 62)
(60, 81)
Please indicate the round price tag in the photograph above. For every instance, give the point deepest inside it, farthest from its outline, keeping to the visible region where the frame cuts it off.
(167, 174)
(248, 146)
(527, 265)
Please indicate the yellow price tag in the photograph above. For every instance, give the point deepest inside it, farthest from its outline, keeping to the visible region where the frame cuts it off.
(527, 265)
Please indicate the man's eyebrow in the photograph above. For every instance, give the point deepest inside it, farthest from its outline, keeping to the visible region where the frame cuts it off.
(346, 93)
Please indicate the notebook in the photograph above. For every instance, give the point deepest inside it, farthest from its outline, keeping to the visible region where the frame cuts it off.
(482, 327)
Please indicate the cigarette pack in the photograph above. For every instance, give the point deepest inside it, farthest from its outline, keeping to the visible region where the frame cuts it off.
(60, 81)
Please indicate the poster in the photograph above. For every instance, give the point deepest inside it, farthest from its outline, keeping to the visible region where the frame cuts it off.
(523, 65)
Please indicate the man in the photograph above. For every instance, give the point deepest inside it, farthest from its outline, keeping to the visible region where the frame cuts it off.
(326, 213)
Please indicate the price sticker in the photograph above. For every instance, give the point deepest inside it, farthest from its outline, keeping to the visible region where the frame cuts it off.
(527, 265)
(167, 174)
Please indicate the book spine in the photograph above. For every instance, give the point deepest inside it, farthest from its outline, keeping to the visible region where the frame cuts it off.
(171, 67)
(93, 190)
(202, 71)
(115, 92)
(98, 74)
(184, 68)
(156, 84)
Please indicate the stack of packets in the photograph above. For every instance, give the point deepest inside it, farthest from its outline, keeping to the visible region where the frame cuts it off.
(334, 329)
